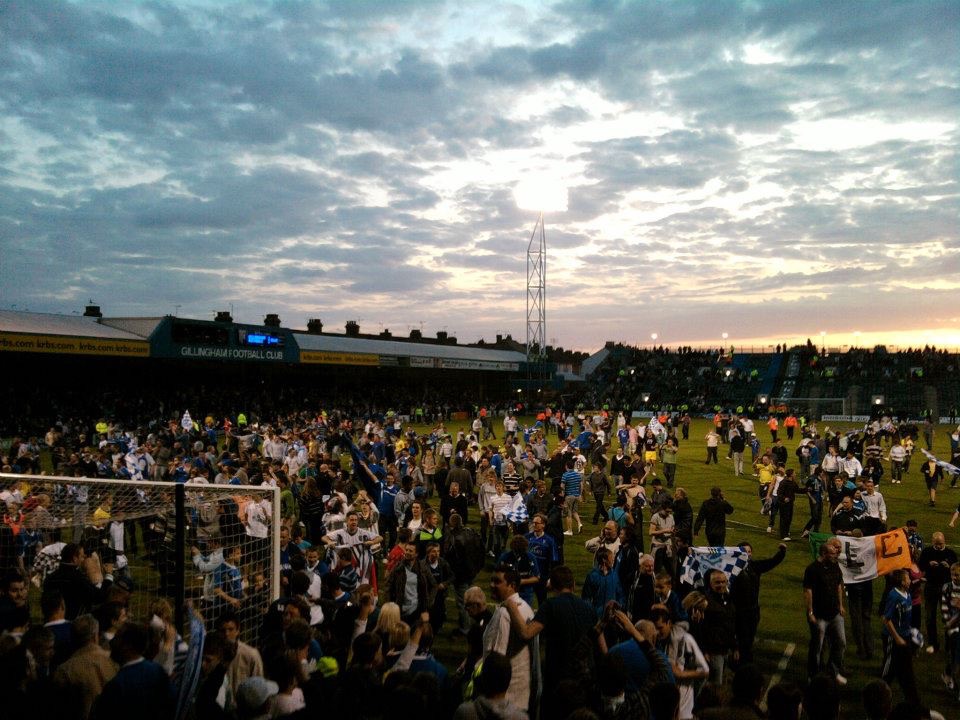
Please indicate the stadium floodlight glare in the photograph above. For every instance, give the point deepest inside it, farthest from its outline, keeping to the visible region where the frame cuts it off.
(762, 399)
(646, 397)
(877, 399)
(728, 372)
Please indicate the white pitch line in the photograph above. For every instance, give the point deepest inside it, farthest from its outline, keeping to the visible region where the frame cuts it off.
(782, 665)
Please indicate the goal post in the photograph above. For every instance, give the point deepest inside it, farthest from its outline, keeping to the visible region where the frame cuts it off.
(816, 406)
(158, 540)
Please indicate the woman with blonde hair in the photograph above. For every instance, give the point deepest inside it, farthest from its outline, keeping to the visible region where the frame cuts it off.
(389, 618)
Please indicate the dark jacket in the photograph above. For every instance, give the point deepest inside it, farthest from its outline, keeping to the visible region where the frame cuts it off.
(397, 582)
(463, 549)
(745, 589)
(719, 631)
(714, 513)
(446, 577)
(459, 504)
(79, 594)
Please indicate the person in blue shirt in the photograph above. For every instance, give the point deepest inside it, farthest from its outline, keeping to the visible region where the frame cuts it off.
(496, 462)
(544, 548)
(141, 687)
(227, 580)
(572, 483)
(602, 583)
(897, 637)
(584, 440)
(525, 564)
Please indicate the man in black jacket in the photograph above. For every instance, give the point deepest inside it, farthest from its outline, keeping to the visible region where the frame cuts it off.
(464, 550)
(713, 512)
(454, 502)
(746, 597)
(935, 561)
(79, 594)
(719, 625)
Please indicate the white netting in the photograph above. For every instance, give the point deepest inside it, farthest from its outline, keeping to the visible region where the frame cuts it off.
(128, 530)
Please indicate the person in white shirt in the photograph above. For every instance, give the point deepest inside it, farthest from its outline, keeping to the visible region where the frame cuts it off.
(689, 665)
(359, 541)
(850, 466)
(274, 447)
(897, 456)
(873, 501)
(500, 637)
(293, 462)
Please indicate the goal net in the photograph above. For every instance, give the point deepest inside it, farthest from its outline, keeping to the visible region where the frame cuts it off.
(814, 407)
(163, 544)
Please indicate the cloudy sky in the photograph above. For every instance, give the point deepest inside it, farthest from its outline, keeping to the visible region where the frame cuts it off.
(769, 170)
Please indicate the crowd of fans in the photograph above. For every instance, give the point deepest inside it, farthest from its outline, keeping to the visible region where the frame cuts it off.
(380, 525)
(695, 379)
(702, 380)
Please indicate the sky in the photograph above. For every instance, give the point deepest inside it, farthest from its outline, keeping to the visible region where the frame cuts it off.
(769, 170)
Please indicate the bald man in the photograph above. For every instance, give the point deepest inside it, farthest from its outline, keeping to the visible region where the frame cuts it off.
(935, 561)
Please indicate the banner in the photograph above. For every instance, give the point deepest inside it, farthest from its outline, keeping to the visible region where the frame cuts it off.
(20, 342)
(338, 358)
(701, 560)
(867, 557)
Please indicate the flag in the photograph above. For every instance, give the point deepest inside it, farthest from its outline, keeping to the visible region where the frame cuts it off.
(188, 680)
(868, 557)
(518, 512)
(952, 469)
(701, 560)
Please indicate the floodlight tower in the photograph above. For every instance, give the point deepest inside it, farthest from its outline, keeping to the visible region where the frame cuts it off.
(537, 305)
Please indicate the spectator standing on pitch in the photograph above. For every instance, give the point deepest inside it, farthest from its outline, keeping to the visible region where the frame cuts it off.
(935, 562)
(564, 620)
(713, 513)
(719, 627)
(599, 486)
(713, 441)
(823, 593)
(572, 482)
(745, 592)
(897, 636)
(501, 636)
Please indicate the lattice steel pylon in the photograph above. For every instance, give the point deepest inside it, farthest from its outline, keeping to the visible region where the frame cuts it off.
(537, 304)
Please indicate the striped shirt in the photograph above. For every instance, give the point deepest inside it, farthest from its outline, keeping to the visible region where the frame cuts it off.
(572, 483)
